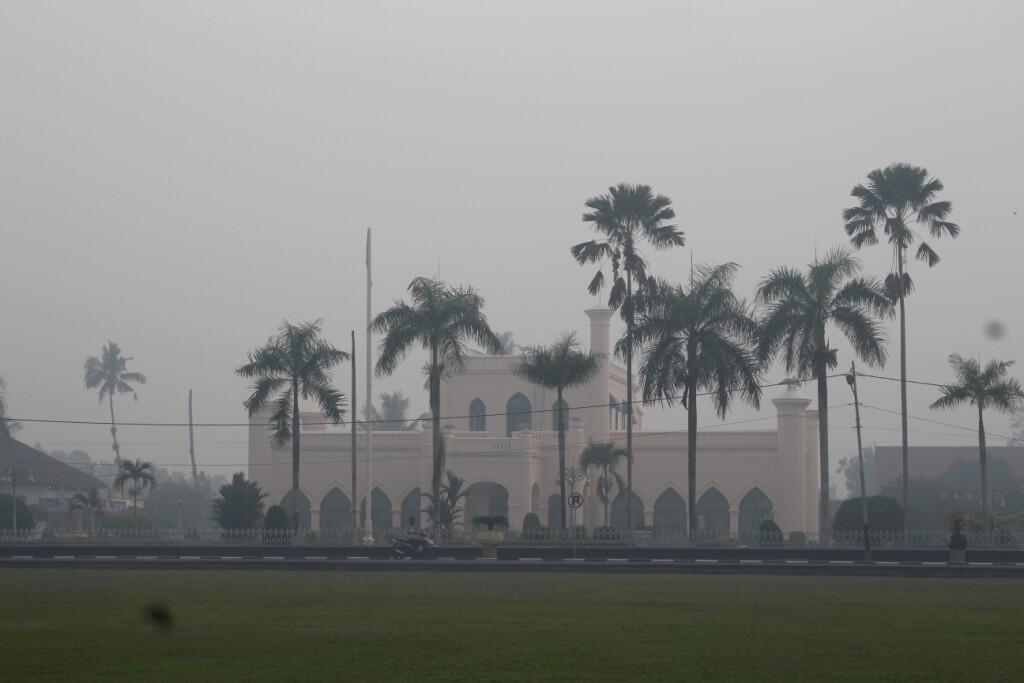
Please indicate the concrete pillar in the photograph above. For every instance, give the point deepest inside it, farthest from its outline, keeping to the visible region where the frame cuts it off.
(790, 497)
(595, 420)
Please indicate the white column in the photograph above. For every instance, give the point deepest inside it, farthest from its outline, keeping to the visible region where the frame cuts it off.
(789, 500)
(595, 420)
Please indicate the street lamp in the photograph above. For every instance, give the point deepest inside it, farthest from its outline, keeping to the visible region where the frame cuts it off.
(851, 379)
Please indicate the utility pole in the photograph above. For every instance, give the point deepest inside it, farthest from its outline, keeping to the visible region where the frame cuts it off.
(851, 379)
(355, 452)
(192, 442)
(368, 532)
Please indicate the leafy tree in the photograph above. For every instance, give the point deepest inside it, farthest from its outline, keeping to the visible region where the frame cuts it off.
(439, 319)
(626, 217)
(295, 363)
(849, 468)
(884, 514)
(140, 474)
(276, 519)
(508, 344)
(603, 458)
(896, 200)
(801, 307)
(7, 427)
(392, 414)
(90, 504)
(559, 366)
(444, 510)
(239, 504)
(988, 387)
(175, 495)
(698, 337)
(109, 373)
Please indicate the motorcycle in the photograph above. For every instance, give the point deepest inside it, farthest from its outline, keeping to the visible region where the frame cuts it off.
(415, 547)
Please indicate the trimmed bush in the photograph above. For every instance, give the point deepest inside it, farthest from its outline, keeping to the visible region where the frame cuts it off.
(769, 534)
(531, 521)
(884, 514)
(276, 519)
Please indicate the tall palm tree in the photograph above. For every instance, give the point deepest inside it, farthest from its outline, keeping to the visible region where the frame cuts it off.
(625, 218)
(800, 309)
(295, 363)
(698, 337)
(7, 427)
(89, 503)
(603, 458)
(559, 366)
(141, 475)
(109, 373)
(895, 200)
(987, 387)
(440, 319)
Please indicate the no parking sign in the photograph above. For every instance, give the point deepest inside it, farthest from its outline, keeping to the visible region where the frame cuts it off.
(575, 500)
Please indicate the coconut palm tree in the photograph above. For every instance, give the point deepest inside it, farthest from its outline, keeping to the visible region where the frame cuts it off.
(141, 475)
(603, 458)
(295, 363)
(983, 388)
(440, 319)
(626, 217)
(559, 366)
(7, 427)
(801, 308)
(895, 200)
(109, 373)
(89, 503)
(393, 407)
(698, 337)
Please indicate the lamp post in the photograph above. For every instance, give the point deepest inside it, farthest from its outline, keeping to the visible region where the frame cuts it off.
(851, 379)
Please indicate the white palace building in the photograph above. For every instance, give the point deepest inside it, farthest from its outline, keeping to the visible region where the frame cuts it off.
(503, 445)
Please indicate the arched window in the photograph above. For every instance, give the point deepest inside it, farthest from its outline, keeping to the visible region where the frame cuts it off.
(754, 509)
(381, 512)
(518, 414)
(477, 416)
(713, 513)
(295, 501)
(335, 511)
(619, 510)
(613, 412)
(559, 411)
(670, 513)
(412, 506)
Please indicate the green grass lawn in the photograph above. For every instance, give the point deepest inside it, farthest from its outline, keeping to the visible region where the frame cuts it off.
(85, 625)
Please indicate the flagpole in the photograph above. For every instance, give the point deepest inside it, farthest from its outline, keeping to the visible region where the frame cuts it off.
(368, 532)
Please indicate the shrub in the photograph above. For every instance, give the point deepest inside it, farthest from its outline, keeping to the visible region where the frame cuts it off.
(797, 538)
(276, 519)
(531, 521)
(608, 534)
(769, 534)
(884, 514)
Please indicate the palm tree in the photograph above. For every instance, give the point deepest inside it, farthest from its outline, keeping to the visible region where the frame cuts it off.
(443, 509)
(440, 319)
(239, 504)
(895, 200)
(508, 344)
(800, 309)
(604, 457)
(91, 504)
(109, 373)
(140, 474)
(393, 407)
(625, 217)
(296, 362)
(698, 337)
(987, 387)
(559, 366)
(7, 427)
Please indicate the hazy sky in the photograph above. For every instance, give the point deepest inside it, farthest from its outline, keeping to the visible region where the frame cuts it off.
(179, 177)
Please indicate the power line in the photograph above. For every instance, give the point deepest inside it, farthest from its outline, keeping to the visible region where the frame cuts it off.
(937, 422)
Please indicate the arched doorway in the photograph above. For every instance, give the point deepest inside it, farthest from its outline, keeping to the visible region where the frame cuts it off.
(485, 498)
(670, 513)
(296, 498)
(335, 511)
(412, 506)
(381, 512)
(713, 513)
(477, 416)
(619, 515)
(518, 415)
(754, 509)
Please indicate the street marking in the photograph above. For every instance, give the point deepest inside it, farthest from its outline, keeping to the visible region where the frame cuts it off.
(935, 564)
(230, 557)
(662, 559)
(272, 557)
(354, 557)
(145, 557)
(708, 561)
(531, 559)
(983, 564)
(888, 562)
(574, 559)
(63, 557)
(23, 557)
(618, 559)
(840, 561)
(106, 557)
(750, 561)
(316, 557)
(189, 557)
(796, 561)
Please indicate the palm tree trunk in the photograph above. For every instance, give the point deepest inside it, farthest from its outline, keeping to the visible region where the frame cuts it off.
(135, 506)
(607, 496)
(113, 430)
(823, 494)
(561, 454)
(296, 425)
(903, 396)
(435, 423)
(629, 400)
(983, 458)
(691, 455)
